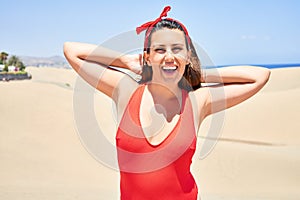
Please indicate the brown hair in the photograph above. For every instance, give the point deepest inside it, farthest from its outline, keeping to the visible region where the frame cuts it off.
(191, 79)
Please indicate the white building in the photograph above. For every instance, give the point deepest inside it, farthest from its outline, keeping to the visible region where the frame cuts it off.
(12, 68)
(2, 68)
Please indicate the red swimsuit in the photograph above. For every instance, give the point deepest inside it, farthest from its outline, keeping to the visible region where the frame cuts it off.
(158, 172)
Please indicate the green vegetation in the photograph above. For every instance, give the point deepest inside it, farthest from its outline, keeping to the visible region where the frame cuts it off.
(3, 57)
(15, 61)
(17, 72)
(12, 61)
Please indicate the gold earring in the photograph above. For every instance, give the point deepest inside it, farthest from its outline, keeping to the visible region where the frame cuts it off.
(191, 65)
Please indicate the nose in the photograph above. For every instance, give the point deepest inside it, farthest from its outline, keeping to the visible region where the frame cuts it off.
(169, 56)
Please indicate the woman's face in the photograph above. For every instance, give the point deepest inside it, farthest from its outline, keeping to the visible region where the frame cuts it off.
(168, 55)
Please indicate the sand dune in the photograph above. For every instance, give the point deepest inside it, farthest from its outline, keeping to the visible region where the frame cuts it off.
(42, 157)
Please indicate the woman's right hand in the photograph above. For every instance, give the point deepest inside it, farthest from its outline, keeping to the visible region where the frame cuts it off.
(133, 62)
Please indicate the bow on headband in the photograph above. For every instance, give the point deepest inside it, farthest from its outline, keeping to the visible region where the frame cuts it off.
(149, 25)
(152, 23)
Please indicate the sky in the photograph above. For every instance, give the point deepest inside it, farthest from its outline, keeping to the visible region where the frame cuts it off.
(229, 31)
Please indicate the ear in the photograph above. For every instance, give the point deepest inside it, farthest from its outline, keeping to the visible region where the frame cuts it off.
(146, 57)
(189, 54)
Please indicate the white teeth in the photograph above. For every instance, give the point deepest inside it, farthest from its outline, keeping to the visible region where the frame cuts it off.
(169, 68)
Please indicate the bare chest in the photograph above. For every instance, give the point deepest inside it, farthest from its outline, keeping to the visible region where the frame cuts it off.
(158, 121)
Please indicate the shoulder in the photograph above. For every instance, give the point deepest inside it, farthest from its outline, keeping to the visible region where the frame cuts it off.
(125, 90)
(199, 96)
(198, 100)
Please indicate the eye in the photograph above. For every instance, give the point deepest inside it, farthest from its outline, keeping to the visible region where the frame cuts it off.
(160, 50)
(176, 49)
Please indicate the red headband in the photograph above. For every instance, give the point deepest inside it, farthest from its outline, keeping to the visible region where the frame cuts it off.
(148, 26)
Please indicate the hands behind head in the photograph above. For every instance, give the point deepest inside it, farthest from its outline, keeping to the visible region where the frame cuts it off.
(133, 62)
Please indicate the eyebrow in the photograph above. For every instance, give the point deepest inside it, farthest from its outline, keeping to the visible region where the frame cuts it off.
(162, 45)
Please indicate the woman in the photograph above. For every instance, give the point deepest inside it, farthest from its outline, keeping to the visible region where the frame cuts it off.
(160, 115)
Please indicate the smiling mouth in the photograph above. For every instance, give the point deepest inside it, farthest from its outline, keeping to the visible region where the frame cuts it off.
(169, 69)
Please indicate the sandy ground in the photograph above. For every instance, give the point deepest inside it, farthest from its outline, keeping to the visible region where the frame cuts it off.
(42, 157)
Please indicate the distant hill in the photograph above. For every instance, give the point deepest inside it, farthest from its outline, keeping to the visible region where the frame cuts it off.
(53, 61)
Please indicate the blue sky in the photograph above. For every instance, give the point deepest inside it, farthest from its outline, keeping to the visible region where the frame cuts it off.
(230, 31)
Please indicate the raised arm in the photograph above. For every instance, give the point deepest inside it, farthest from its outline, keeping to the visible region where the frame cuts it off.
(238, 83)
(91, 63)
